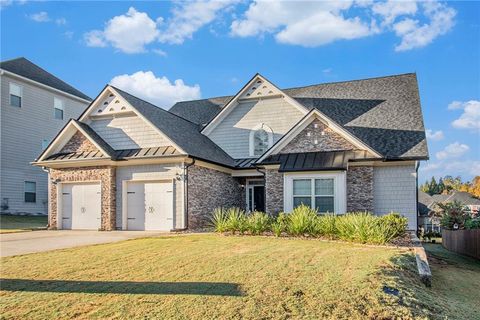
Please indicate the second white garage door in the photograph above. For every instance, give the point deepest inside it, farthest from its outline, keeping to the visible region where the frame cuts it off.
(150, 206)
(81, 206)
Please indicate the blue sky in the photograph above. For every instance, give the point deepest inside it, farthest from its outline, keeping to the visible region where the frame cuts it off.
(176, 51)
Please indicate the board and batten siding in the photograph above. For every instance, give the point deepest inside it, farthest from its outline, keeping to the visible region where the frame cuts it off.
(128, 133)
(233, 133)
(395, 190)
(22, 131)
(152, 172)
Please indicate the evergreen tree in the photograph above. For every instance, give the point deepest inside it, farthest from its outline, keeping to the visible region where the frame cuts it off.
(433, 187)
(440, 186)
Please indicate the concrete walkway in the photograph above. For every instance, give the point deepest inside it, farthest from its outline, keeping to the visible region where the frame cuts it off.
(12, 244)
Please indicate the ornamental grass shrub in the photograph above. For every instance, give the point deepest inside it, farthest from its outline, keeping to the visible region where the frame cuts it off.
(361, 227)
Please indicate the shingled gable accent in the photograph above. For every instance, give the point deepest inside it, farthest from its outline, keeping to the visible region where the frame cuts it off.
(76, 134)
(111, 102)
(257, 88)
(339, 137)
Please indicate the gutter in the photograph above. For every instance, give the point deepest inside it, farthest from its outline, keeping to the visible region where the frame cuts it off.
(417, 165)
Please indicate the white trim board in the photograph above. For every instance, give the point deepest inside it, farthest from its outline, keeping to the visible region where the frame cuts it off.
(340, 188)
(303, 123)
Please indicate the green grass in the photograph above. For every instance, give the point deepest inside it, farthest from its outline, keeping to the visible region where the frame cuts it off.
(211, 276)
(10, 224)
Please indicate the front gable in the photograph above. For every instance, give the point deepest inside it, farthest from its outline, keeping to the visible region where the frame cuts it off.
(317, 133)
(317, 136)
(117, 122)
(260, 104)
(79, 143)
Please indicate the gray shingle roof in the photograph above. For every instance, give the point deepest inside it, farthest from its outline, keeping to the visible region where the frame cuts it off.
(28, 69)
(182, 132)
(383, 112)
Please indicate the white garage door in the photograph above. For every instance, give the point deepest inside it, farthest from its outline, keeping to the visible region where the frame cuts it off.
(81, 204)
(150, 206)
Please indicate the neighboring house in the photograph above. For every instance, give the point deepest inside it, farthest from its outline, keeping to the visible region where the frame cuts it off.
(338, 147)
(426, 220)
(427, 206)
(35, 105)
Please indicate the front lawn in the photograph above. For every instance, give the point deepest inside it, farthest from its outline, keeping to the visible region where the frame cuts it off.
(11, 223)
(209, 276)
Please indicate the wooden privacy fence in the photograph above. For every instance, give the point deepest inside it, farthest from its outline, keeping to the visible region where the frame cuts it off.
(466, 242)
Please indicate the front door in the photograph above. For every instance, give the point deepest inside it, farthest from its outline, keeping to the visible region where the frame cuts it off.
(256, 196)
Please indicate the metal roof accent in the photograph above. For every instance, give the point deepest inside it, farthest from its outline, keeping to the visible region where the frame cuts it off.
(126, 154)
(315, 161)
(245, 163)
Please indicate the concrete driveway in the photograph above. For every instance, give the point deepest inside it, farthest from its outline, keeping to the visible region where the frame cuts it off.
(38, 241)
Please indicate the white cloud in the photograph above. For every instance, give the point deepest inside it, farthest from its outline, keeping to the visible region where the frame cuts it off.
(470, 118)
(188, 17)
(128, 33)
(309, 24)
(454, 150)
(61, 21)
(158, 90)
(434, 135)
(416, 35)
(160, 52)
(317, 23)
(392, 9)
(68, 34)
(40, 16)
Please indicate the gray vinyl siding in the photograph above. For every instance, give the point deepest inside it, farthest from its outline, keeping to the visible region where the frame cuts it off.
(395, 190)
(128, 133)
(21, 134)
(152, 172)
(233, 133)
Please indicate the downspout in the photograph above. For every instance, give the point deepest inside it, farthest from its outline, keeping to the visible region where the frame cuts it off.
(185, 189)
(417, 165)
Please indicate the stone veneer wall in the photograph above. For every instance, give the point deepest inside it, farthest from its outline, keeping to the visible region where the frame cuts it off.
(360, 189)
(274, 191)
(106, 176)
(209, 189)
(329, 141)
(78, 143)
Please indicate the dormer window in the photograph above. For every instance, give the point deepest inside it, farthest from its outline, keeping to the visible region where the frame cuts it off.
(261, 139)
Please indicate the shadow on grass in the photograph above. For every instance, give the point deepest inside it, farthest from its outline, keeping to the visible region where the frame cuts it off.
(122, 287)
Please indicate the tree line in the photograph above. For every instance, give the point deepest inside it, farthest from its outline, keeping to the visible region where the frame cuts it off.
(448, 183)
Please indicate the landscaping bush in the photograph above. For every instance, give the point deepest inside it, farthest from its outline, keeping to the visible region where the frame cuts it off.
(472, 223)
(258, 222)
(302, 221)
(359, 227)
(236, 220)
(280, 224)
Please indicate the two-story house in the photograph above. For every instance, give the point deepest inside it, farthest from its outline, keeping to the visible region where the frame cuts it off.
(35, 105)
(337, 147)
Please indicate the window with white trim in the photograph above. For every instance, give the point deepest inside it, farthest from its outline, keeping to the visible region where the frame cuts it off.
(315, 193)
(15, 95)
(323, 191)
(30, 191)
(58, 108)
(261, 139)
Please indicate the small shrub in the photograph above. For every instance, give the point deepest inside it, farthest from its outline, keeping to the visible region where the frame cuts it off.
(452, 215)
(472, 223)
(280, 224)
(326, 226)
(258, 222)
(219, 220)
(236, 220)
(397, 224)
(302, 221)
